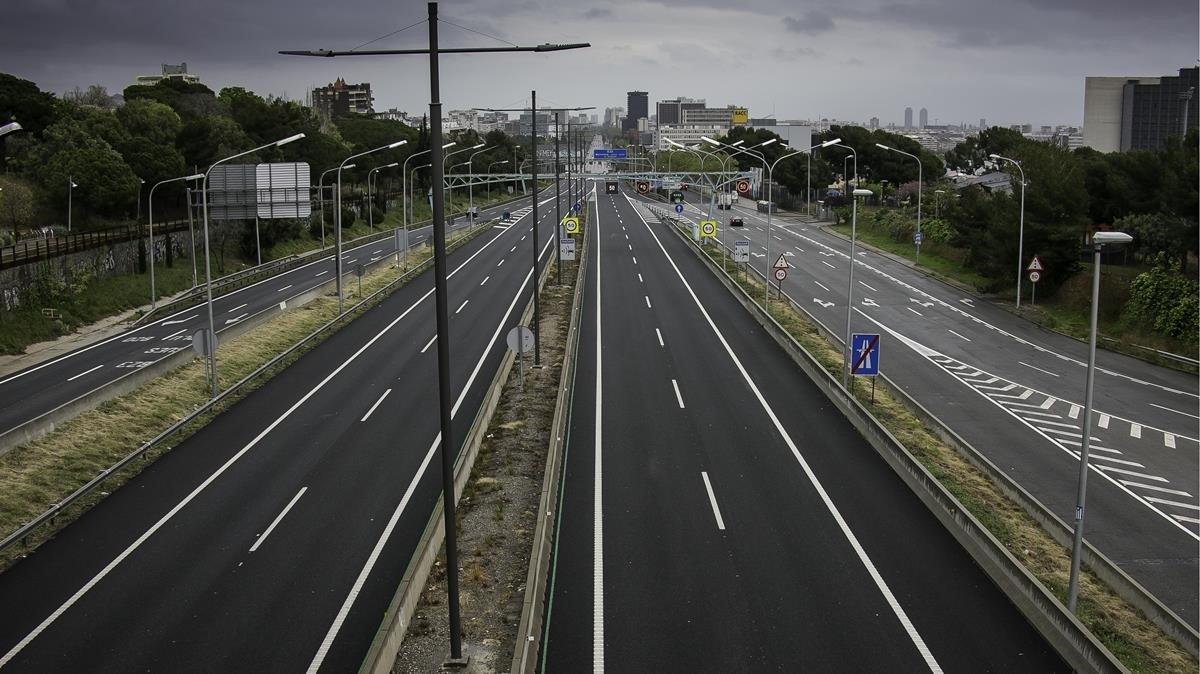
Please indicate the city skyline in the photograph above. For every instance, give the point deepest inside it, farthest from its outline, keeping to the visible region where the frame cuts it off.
(879, 77)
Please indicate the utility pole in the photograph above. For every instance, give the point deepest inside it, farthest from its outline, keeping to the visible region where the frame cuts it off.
(537, 309)
(558, 196)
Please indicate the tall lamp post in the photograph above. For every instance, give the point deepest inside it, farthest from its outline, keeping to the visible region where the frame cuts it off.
(370, 192)
(920, 186)
(489, 171)
(321, 197)
(338, 215)
(440, 272)
(211, 347)
(150, 214)
(450, 191)
(1099, 241)
(70, 198)
(407, 185)
(1021, 227)
(138, 217)
(471, 185)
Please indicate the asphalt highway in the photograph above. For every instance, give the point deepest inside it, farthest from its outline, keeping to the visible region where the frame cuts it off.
(1015, 392)
(38, 389)
(718, 513)
(273, 538)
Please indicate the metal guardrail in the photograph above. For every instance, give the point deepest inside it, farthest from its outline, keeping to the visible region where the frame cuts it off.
(178, 428)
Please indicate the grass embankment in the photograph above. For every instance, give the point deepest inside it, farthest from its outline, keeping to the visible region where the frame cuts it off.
(100, 299)
(941, 260)
(1137, 642)
(40, 473)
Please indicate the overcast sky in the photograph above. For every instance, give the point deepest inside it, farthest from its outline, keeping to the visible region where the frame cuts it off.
(1008, 60)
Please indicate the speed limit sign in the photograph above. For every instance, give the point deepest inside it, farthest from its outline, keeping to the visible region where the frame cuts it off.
(780, 274)
(643, 187)
(743, 186)
(1035, 276)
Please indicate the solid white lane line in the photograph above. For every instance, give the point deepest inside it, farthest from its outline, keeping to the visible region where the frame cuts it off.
(1135, 430)
(460, 307)
(836, 514)
(1151, 487)
(175, 334)
(240, 306)
(957, 335)
(320, 273)
(660, 339)
(377, 402)
(1175, 411)
(712, 499)
(485, 280)
(914, 311)
(598, 483)
(1034, 367)
(84, 372)
(822, 286)
(648, 302)
(279, 517)
(678, 395)
(284, 288)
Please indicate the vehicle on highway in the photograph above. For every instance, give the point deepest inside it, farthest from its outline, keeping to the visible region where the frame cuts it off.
(737, 222)
(767, 207)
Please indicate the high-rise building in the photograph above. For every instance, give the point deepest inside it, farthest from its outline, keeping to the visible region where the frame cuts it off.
(874, 122)
(1139, 113)
(672, 111)
(908, 118)
(982, 123)
(638, 106)
(924, 118)
(612, 116)
(340, 98)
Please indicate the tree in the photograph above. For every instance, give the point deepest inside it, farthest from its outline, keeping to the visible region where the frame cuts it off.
(151, 120)
(107, 186)
(204, 140)
(95, 96)
(22, 101)
(16, 203)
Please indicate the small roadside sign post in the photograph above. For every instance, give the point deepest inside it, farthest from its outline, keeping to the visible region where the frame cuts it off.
(566, 249)
(204, 344)
(677, 198)
(359, 271)
(918, 237)
(741, 251)
(1035, 270)
(401, 245)
(520, 342)
(571, 224)
(708, 228)
(678, 208)
(781, 266)
(864, 357)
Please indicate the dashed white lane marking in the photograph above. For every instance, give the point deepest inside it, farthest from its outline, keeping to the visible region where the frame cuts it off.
(240, 306)
(1175, 411)
(485, 280)
(914, 311)
(321, 273)
(640, 279)
(1034, 367)
(1168, 440)
(1103, 422)
(828, 265)
(648, 302)
(660, 339)
(284, 288)
(712, 499)
(512, 250)
(678, 395)
(635, 260)
(460, 307)
(958, 335)
(175, 334)
(377, 402)
(429, 343)
(376, 252)
(1074, 411)
(278, 518)
(867, 287)
(84, 372)
(822, 286)
(1135, 430)
(630, 246)
(500, 262)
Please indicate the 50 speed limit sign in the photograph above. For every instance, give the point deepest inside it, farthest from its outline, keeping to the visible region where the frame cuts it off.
(780, 274)
(1035, 276)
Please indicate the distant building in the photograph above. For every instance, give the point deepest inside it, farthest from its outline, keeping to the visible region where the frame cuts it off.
(982, 123)
(687, 134)
(671, 111)
(796, 136)
(545, 120)
(729, 116)
(169, 72)
(612, 116)
(908, 118)
(339, 98)
(638, 106)
(874, 122)
(924, 118)
(396, 115)
(1139, 113)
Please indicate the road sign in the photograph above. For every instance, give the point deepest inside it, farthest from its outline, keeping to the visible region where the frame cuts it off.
(864, 354)
(610, 187)
(780, 274)
(566, 249)
(615, 153)
(1035, 265)
(1035, 276)
(677, 197)
(202, 346)
(781, 263)
(741, 251)
(743, 186)
(520, 339)
(708, 228)
(572, 224)
(577, 207)
(643, 187)
(678, 208)
(918, 237)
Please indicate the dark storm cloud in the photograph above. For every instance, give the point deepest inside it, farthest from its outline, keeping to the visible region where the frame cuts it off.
(811, 23)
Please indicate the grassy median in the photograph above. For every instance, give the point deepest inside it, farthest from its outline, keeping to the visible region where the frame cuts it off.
(1139, 644)
(38, 474)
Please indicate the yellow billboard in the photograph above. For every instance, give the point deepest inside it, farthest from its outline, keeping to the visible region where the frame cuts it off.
(740, 117)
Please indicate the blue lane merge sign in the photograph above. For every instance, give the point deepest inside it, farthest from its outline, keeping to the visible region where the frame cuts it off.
(864, 354)
(615, 153)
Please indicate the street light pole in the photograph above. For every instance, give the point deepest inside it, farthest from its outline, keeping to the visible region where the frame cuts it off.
(471, 187)
(370, 199)
(321, 199)
(138, 217)
(1099, 240)
(1021, 227)
(920, 186)
(150, 214)
(338, 216)
(489, 171)
(211, 346)
(450, 190)
(557, 202)
(70, 197)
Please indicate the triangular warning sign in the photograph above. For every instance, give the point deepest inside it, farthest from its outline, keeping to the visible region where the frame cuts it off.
(1036, 265)
(780, 263)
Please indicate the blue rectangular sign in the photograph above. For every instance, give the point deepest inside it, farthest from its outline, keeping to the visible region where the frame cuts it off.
(864, 354)
(616, 153)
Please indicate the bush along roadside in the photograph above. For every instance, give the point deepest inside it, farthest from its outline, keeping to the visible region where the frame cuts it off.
(1134, 640)
(49, 469)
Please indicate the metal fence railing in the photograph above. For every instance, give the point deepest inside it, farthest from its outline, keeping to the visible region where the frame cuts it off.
(40, 248)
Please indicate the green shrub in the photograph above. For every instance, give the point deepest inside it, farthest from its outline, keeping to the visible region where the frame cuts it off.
(1166, 301)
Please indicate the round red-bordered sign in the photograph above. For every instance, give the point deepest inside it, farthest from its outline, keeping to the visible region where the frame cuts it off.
(780, 274)
(743, 186)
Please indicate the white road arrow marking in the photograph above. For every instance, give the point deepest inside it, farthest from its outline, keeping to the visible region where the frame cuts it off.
(917, 301)
(823, 304)
(967, 301)
(235, 320)
(868, 302)
(182, 320)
